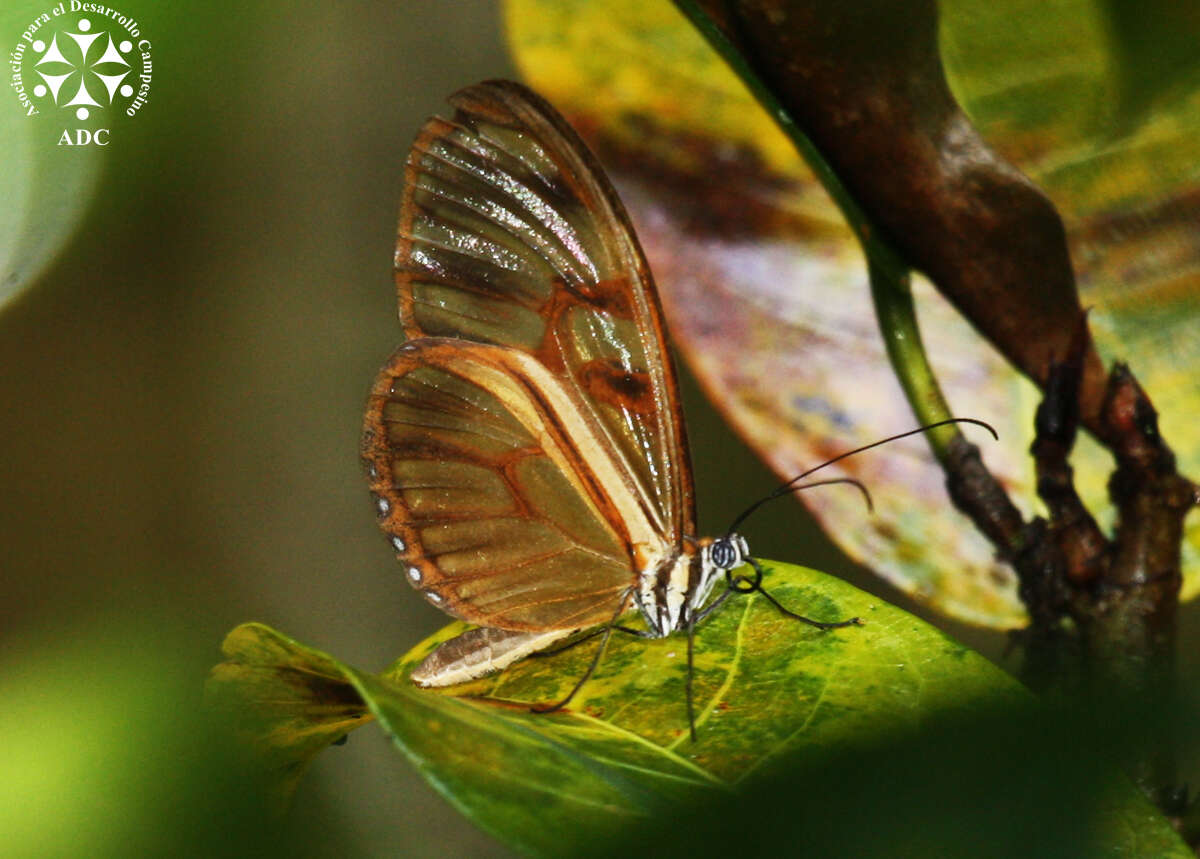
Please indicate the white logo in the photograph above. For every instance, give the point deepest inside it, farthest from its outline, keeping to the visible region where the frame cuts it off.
(85, 62)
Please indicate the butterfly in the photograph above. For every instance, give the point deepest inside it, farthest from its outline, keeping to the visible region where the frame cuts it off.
(526, 446)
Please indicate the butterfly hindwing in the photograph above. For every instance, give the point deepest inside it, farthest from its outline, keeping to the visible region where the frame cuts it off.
(497, 490)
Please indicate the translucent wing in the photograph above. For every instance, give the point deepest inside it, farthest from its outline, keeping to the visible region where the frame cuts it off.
(500, 496)
(510, 235)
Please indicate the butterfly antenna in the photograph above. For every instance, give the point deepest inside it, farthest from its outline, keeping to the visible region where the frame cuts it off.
(790, 486)
(787, 490)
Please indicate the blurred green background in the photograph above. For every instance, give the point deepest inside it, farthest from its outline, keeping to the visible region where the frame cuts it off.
(183, 388)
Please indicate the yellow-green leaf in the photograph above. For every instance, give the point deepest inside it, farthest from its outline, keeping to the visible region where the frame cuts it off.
(772, 695)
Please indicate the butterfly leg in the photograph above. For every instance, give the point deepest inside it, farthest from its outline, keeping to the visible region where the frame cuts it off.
(714, 605)
(605, 634)
(744, 585)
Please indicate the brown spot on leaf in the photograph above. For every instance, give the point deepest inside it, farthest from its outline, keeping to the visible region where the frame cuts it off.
(886, 530)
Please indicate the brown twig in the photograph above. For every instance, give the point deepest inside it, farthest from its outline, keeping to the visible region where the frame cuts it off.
(1120, 594)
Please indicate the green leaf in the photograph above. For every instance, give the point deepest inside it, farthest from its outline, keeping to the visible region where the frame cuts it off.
(1154, 42)
(737, 230)
(772, 695)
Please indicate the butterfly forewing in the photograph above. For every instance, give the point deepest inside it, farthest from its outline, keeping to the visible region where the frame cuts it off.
(510, 235)
(500, 498)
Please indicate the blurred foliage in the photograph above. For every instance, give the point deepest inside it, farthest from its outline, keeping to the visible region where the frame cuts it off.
(109, 754)
(761, 279)
(1154, 46)
(776, 699)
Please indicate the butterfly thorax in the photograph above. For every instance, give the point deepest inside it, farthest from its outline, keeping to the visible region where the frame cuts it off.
(673, 588)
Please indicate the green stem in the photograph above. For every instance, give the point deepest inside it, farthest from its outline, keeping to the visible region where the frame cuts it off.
(897, 317)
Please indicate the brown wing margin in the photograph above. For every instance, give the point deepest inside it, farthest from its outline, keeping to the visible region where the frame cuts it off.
(486, 483)
(511, 234)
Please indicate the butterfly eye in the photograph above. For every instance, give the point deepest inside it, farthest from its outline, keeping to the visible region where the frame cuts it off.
(726, 553)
